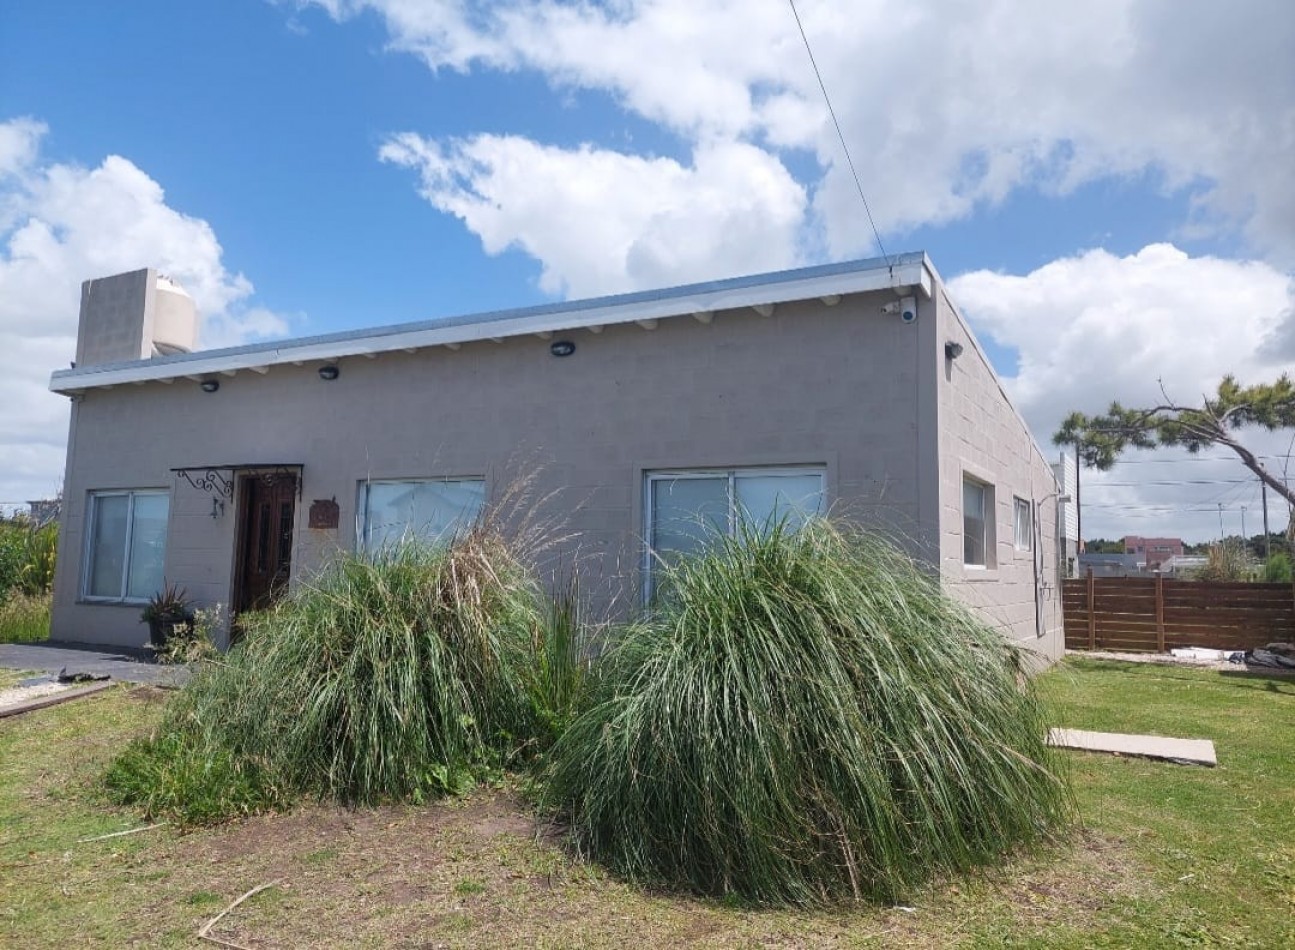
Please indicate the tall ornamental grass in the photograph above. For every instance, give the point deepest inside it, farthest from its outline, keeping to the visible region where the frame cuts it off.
(393, 677)
(24, 617)
(806, 718)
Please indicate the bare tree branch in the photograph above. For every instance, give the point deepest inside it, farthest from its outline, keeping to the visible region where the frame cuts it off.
(1099, 440)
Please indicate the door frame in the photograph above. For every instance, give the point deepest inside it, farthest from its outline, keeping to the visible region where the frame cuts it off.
(242, 522)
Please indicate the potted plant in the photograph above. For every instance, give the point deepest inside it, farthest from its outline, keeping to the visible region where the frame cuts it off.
(166, 610)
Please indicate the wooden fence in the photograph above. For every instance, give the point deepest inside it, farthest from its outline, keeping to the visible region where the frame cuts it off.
(1145, 614)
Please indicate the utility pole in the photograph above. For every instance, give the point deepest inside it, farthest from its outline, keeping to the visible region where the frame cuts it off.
(1245, 540)
(1222, 537)
(1268, 541)
(1079, 510)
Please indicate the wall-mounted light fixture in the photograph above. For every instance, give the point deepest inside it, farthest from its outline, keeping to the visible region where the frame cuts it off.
(210, 385)
(329, 372)
(952, 350)
(217, 509)
(562, 347)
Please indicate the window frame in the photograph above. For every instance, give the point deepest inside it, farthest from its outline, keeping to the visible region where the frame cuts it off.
(989, 521)
(362, 500)
(91, 534)
(1020, 504)
(710, 472)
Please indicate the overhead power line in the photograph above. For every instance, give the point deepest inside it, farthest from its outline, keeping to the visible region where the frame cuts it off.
(1195, 458)
(1179, 481)
(839, 134)
(1188, 506)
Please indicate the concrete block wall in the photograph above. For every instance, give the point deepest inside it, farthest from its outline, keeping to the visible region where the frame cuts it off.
(836, 386)
(116, 318)
(982, 435)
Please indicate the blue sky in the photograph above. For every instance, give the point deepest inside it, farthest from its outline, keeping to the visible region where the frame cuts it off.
(1090, 183)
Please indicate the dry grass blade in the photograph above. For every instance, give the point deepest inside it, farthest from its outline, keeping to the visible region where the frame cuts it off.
(122, 834)
(204, 932)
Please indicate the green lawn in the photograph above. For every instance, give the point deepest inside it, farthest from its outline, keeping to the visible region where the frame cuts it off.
(1218, 845)
(1169, 856)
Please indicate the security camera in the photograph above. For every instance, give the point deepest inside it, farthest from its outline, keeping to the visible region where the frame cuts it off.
(908, 309)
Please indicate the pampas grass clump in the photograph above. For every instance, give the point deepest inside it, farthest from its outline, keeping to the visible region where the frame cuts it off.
(397, 676)
(803, 718)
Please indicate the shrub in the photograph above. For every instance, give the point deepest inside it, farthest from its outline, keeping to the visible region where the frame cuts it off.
(194, 641)
(13, 535)
(27, 557)
(806, 718)
(395, 677)
(1226, 562)
(1277, 569)
(40, 551)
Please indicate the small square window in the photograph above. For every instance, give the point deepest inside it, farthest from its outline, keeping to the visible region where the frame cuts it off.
(1023, 524)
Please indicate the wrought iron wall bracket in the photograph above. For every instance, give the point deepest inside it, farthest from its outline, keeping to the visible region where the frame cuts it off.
(208, 480)
(209, 477)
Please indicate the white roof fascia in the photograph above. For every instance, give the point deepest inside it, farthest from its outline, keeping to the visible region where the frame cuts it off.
(910, 271)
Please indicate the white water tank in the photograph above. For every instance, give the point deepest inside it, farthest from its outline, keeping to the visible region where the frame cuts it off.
(175, 319)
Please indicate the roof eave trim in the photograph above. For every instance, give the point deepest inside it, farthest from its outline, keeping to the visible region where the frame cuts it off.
(902, 277)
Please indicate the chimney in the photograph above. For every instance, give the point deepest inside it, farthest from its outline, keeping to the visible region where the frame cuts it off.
(134, 316)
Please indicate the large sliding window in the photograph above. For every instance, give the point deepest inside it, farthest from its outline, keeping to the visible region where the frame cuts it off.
(686, 509)
(125, 545)
(430, 511)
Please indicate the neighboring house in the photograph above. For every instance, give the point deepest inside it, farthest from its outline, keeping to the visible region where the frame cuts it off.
(853, 387)
(44, 511)
(1111, 565)
(1183, 566)
(1153, 551)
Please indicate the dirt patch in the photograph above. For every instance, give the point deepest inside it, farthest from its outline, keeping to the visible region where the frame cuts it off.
(150, 694)
(475, 873)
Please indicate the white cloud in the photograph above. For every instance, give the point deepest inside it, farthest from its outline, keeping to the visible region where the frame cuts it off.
(19, 140)
(602, 221)
(946, 105)
(61, 224)
(1095, 328)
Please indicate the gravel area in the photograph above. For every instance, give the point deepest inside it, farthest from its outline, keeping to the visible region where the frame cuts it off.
(17, 695)
(1168, 660)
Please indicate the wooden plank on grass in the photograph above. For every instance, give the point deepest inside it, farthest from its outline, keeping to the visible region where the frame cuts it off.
(52, 699)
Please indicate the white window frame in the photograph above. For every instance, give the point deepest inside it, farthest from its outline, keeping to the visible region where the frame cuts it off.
(90, 533)
(1020, 505)
(733, 475)
(989, 520)
(362, 499)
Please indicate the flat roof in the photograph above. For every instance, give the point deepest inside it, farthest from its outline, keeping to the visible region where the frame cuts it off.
(904, 273)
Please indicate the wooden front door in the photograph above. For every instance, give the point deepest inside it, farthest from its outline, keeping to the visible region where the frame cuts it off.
(264, 563)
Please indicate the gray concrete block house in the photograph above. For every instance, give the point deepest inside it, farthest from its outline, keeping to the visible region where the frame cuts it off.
(855, 387)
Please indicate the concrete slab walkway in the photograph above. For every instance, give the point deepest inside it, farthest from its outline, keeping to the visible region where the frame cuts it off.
(1181, 751)
(127, 666)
